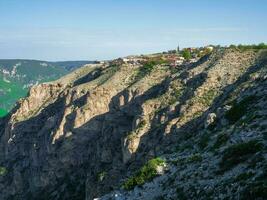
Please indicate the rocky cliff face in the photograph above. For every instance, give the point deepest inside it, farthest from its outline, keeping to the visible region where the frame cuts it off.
(96, 132)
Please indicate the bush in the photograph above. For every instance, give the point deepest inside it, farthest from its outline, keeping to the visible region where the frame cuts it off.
(257, 190)
(181, 194)
(101, 176)
(238, 110)
(3, 171)
(238, 153)
(145, 174)
(244, 176)
(149, 65)
(242, 47)
(221, 139)
(204, 141)
(194, 158)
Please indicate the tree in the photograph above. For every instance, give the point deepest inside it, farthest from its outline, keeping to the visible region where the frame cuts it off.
(187, 54)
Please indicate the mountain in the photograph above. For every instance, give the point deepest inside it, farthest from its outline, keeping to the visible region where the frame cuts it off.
(17, 76)
(71, 65)
(142, 128)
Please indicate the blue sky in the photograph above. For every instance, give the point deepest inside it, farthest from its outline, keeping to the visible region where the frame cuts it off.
(105, 29)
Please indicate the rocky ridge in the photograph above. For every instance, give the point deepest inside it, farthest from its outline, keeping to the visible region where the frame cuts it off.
(95, 132)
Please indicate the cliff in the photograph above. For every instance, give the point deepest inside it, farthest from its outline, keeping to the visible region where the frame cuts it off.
(120, 131)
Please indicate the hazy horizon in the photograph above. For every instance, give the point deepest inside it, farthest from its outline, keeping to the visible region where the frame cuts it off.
(101, 30)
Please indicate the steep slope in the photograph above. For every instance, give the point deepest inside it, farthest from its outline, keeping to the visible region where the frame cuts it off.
(17, 76)
(122, 131)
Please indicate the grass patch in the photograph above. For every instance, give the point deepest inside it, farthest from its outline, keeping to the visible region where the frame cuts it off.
(238, 153)
(145, 174)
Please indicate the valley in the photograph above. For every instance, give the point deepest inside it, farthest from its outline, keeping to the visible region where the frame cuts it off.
(17, 76)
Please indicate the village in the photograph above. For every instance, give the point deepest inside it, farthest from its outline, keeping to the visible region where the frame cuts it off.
(173, 58)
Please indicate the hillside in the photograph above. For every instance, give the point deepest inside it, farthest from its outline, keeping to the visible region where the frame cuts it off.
(140, 128)
(16, 76)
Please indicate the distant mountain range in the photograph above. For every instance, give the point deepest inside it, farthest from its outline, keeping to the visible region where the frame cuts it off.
(18, 75)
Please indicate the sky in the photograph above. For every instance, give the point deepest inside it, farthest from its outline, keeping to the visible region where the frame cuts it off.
(56, 30)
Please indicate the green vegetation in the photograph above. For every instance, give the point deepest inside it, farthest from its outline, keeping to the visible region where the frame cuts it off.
(151, 63)
(186, 54)
(145, 174)
(131, 135)
(2, 112)
(141, 125)
(204, 140)
(3, 171)
(238, 110)
(205, 52)
(148, 67)
(175, 95)
(238, 153)
(256, 190)
(221, 139)
(194, 158)
(24, 73)
(181, 194)
(10, 92)
(101, 176)
(244, 176)
(208, 97)
(249, 47)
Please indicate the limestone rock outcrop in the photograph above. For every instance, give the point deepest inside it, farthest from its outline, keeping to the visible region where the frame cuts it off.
(83, 136)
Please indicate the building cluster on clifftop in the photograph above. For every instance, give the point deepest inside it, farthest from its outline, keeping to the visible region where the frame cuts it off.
(173, 58)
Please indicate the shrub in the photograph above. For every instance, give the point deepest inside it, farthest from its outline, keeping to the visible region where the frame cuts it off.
(194, 158)
(257, 190)
(238, 153)
(145, 174)
(238, 110)
(252, 47)
(221, 139)
(244, 176)
(101, 176)
(186, 54)
(180, 193)
(204, 140)
(149, 65)
(3, 171)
